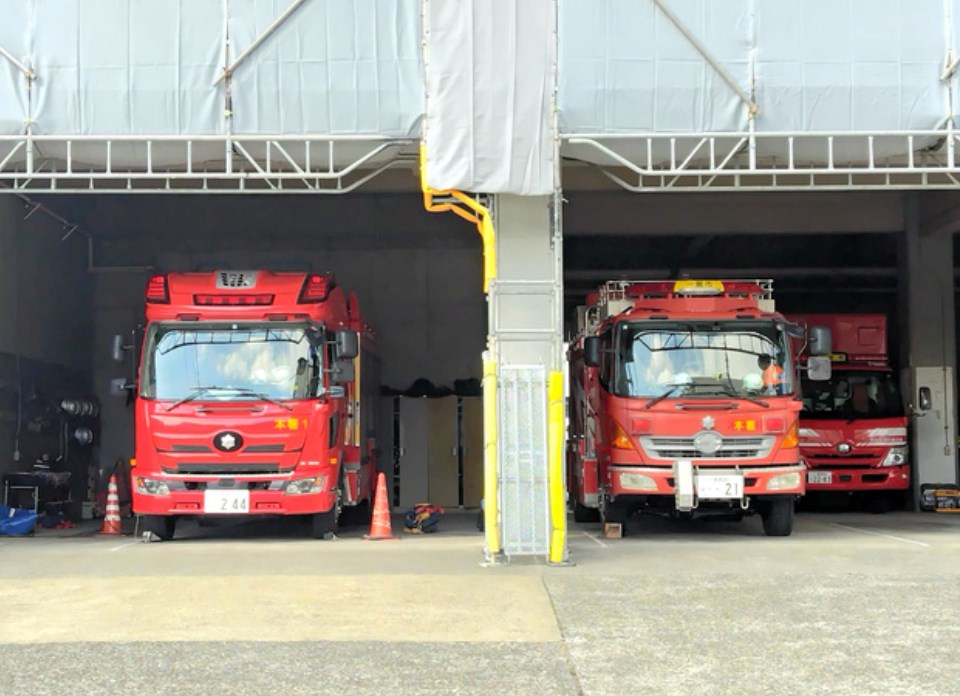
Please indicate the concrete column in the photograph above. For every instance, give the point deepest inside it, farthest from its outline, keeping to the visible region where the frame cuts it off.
(526, 306)
(928, 349)
(526, 299)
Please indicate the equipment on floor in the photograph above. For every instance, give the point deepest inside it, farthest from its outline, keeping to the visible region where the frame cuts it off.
(423, 519)
(16, 522)
(940, 497)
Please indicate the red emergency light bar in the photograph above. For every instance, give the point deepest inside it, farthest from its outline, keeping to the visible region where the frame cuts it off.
(233, 300)
(695, 288)
(157, 289)
(316, 288)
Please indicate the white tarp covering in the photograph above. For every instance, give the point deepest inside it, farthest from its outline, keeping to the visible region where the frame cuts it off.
(490, 68)
(14, 39)
(116, 66)
(818, 65)
(625, 67)
(139, 67)
(332, 67)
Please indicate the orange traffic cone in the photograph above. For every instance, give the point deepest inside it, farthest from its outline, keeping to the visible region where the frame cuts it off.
(380, 529)
(111, 521)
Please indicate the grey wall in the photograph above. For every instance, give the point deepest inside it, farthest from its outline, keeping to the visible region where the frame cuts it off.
(417, 276)
(44, 327)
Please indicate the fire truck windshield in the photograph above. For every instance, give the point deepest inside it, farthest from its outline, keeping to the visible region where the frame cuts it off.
(231, 362)
(851, 394)
(733, 358)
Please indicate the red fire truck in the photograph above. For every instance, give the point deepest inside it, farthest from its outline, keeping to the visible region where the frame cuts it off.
(683, 402)
(853, 427)
(256, 396)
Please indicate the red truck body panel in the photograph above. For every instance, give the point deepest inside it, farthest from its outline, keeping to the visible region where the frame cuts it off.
(857, 452)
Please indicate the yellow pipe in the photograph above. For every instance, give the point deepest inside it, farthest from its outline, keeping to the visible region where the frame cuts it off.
(490, 493)
(558, 508)
(471, 211)
(474, 212)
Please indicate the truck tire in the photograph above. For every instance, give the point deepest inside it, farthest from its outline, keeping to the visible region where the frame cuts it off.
(582, 513)
(357, 515)
(778, 517)
(162, 526)
(324, 523)
(615, 512)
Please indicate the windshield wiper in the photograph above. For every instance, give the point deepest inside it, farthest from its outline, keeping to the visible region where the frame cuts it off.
(195, 394)
(200, 391)
(658, 399)
(262, 397)
(734, 395)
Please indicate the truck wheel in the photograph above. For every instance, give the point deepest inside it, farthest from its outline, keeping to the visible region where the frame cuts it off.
(582, 513)
(161, 525)
(778, 517)
(356, 515)
(324, 523)
(880, 503)
(615, 512)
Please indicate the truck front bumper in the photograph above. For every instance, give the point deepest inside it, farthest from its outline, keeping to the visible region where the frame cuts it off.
(888, 478)
(193, 502)
(654, 481)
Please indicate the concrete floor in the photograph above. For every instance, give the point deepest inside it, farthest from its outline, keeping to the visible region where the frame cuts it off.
(851, 604)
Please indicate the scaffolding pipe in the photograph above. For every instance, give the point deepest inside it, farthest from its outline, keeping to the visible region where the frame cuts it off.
(26, 70)
(714, 63)
(229, 69)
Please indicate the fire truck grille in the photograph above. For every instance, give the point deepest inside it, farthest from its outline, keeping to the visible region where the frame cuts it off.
(830, 457)
(684, 448)
(225, 469)
(191, 448)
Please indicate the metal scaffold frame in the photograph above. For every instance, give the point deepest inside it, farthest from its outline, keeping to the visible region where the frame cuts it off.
(664, 162)
(313, 164)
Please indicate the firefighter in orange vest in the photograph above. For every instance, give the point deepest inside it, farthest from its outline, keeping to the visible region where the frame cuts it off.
(773, 378)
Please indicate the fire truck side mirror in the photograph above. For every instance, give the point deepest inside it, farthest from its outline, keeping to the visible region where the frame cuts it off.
(795, 330)
(591, 351)
(342, 373)
(348, 345)
(819, 368)
(121, 386)
(924, 399)
(820, 340)
(117, 349)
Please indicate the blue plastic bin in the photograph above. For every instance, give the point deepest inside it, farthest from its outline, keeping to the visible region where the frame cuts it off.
(16, 522)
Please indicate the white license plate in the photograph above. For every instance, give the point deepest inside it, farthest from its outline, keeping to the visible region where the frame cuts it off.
(716, 487)
(820, 477)
(226, 502)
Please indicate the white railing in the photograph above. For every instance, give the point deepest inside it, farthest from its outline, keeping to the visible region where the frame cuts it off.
(644, 162)
(198, 163)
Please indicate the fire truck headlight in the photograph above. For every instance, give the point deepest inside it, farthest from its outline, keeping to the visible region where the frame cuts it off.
(307, 485)
(897, 456)
(637, 482)
(784, 482)
(152, 487)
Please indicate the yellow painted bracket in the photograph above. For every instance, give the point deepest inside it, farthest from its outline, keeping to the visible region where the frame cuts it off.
(491, 529)
(558, 508)
(469, 210)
